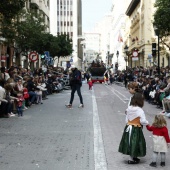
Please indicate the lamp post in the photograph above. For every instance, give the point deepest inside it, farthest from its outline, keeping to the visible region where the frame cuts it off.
(157, 33)
(126, 57)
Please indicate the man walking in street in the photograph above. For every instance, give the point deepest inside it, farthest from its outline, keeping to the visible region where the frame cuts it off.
(75, 83)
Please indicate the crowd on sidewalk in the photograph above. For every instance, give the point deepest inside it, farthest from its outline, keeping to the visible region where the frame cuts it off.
(21, 88)
(155, 87)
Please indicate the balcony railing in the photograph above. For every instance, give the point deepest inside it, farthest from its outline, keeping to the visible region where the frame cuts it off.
(35, 2)
(43, 7)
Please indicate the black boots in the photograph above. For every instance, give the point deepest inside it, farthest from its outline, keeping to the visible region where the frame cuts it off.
(153, 164)
(162, 164)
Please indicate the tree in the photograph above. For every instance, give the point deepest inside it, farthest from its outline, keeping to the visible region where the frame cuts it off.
(161, 20)
(8, 12)
(29, 32)
(10, 8)
(61, 46)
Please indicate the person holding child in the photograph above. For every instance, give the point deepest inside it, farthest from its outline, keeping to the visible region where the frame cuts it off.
(161, 140)
(133, 141)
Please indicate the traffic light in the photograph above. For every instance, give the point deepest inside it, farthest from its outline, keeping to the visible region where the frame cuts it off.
(42, 56)
(154, 49)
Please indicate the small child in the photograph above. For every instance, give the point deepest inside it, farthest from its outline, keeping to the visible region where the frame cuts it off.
(90, 83)
(161, 140)
(20, 100)
(26, 95)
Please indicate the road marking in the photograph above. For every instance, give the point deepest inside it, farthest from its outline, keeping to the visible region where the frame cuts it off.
(120, 93)
(116, 94)
(99, 153)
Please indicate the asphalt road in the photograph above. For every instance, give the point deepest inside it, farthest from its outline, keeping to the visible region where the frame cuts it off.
(52, 137)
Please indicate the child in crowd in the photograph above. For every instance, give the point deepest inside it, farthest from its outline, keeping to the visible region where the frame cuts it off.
(20, 100)
(90, 83)
(133, 141)
(161, 139)
(26, 95)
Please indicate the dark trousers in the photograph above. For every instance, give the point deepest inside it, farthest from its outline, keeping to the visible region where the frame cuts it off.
(9, 107)
(74, 88)
(33, 96)
(3, 109)
(27, 102)
(19, 109)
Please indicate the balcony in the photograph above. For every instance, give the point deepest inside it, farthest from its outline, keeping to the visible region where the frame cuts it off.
(35, 3)
(43, 7)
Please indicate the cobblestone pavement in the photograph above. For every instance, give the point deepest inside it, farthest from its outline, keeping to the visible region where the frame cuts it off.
(49, 137)
(112, 101)
(52, 137)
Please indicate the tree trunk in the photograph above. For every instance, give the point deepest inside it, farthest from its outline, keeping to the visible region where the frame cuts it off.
(58, 61)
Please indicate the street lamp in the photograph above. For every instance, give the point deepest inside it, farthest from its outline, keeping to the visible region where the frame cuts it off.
(157, 33)
(126, 57)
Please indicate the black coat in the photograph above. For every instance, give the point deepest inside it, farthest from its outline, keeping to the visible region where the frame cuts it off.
(75, 77)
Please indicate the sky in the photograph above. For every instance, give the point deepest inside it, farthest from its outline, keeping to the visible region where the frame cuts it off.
(93, 11)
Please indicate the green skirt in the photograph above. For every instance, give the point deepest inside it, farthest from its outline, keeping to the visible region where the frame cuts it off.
(136, 145)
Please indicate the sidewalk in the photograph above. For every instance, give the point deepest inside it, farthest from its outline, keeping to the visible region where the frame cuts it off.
(49, 136)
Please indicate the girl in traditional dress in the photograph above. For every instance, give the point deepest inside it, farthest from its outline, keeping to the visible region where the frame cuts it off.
(161, 139)
(133, 141)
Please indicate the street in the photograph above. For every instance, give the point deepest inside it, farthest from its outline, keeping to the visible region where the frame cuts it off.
(53, 137)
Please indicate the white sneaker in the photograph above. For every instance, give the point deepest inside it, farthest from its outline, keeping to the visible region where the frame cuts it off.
(11, 114)
(168, 115)
(162, 112)
(81, 105)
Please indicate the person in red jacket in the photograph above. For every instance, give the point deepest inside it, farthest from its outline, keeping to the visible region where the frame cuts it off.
(90, 84)
(26, 95)
(161, 140)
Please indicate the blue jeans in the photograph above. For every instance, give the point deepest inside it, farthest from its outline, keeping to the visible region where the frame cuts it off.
(32, 97)
(19, 109)
(74, 88)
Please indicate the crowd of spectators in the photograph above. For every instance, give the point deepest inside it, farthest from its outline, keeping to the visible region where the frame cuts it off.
(21, 88)
(154, 86)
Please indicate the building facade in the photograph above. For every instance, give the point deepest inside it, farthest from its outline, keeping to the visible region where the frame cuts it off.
(8, 55)
(140, 35)
(66, 17)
